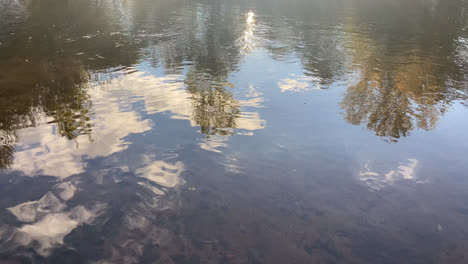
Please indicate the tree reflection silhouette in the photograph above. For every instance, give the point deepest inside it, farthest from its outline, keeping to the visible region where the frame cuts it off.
(404, 87)
(215, 109)
(45, 68)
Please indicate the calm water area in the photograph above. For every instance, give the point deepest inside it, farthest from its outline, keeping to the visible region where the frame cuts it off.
(234, 131)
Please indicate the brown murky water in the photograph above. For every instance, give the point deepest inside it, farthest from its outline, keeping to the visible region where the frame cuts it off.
(212, 131)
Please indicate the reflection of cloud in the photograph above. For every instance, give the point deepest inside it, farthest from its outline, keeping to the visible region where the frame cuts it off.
(254, 98)
(42, 150)
(48, 220)
(50, 230)
(231, 164)
(159, 94)
(162, 173)
(67, 190)
(252, 102)
(298, 83)
(169, 94)
(253, 92)
(30, 211)
(213, 143)
(250, 121)
(216, 143)
(245, 133)
(377, 181)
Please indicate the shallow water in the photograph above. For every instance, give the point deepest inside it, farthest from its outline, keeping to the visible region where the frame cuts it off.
(211, 131)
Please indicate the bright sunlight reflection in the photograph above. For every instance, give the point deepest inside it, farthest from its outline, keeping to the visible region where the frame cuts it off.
(250, 17)
(247, 40)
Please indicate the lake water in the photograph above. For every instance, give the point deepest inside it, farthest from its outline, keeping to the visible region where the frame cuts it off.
(245, 131)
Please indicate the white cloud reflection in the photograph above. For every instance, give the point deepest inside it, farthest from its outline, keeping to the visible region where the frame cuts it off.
(117, 107)
(30, 211)
(377, 181)
(52, 228)
(214, 143)
(41, 150)
(163, 173)
(48, 220)
(299, 83)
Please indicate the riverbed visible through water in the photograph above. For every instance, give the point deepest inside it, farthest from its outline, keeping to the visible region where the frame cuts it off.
(245, 131)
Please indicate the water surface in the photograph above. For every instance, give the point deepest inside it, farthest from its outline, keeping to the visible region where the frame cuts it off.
(212, 131)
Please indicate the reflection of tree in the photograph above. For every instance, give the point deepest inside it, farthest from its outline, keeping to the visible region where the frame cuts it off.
(215, 109)
(311, 34)
(403, 87)
(58, 94)
(48, 90)
(393, 102)
(405, 52)
(384, 109)
(49, 80)
(208, 45)
(7, 148)
(208, 40)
